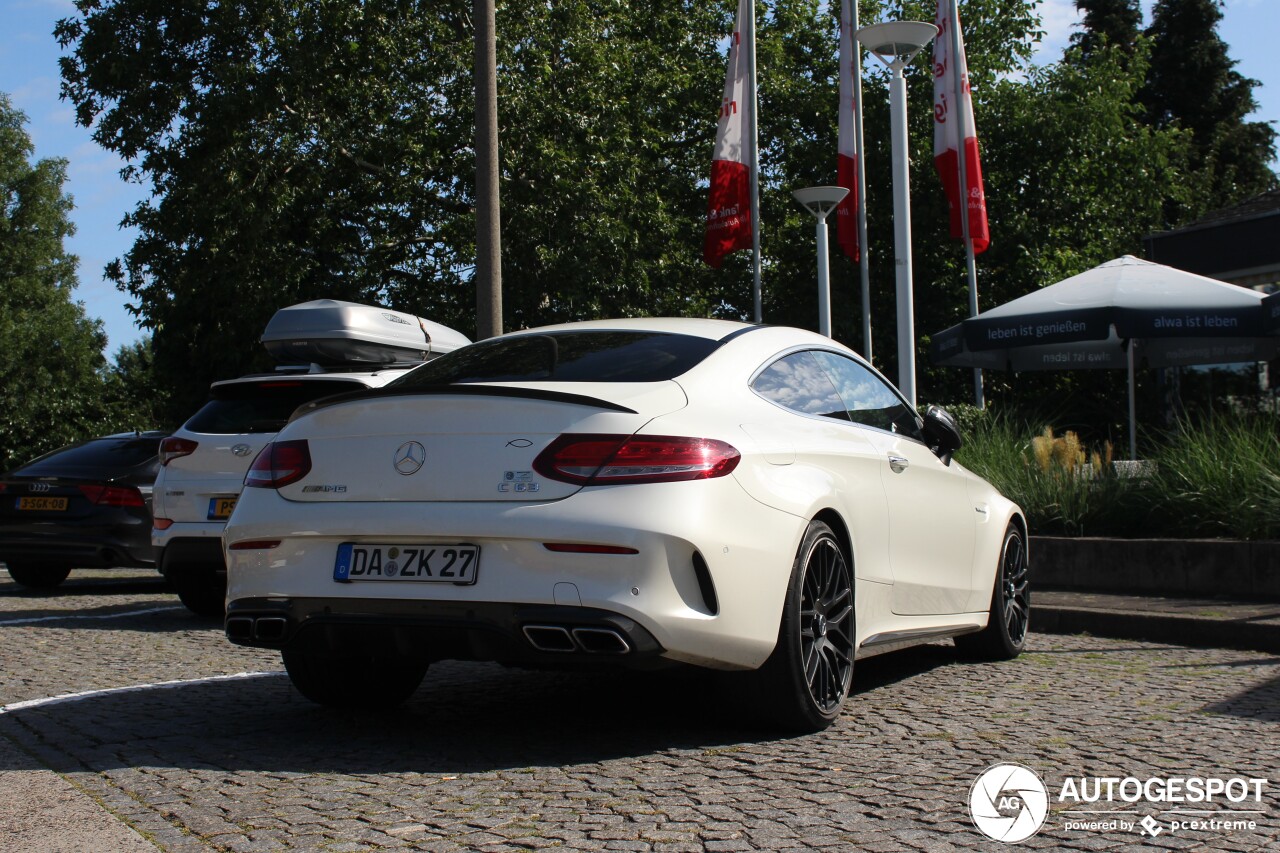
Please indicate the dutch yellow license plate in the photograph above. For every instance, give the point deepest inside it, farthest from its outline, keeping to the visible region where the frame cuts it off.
(43, 504)
(220, 508)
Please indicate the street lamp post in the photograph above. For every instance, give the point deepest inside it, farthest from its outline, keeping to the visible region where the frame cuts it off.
(820, 201)
(895, 44)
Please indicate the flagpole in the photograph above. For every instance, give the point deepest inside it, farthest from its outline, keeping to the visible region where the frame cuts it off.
(752, 133)
(962, 131)
(864, 267)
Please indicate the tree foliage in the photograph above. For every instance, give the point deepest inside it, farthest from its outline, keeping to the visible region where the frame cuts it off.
(1107, 23)
(301, 150)
(1193, 84)
(50, 352)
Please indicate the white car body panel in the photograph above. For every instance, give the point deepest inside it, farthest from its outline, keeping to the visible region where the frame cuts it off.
(924, 555)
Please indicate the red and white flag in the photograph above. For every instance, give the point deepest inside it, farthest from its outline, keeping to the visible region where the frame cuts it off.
(946, 131)
(729, 203)
(847, 146)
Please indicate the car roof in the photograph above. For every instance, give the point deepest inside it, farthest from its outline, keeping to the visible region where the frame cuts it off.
(694, 326)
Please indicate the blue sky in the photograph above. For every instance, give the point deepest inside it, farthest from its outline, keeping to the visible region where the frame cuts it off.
(29, 74)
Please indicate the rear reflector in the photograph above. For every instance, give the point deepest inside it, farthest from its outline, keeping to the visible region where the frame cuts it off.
(162, 523)
(279, 464)
(573, 548)
(601, 460)
(173, 448)
(254, 545)
(113, 495)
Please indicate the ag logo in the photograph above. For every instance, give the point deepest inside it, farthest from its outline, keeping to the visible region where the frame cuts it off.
(1008, 802)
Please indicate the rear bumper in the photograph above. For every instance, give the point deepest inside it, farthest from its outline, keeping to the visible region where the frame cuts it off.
(437, 630)
(96, 549)
(190, 554)
(707, 580)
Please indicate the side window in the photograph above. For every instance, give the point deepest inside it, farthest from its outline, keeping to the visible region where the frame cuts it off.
(866, 396)
(798, 383)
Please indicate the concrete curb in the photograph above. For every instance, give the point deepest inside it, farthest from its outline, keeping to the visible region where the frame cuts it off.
(1182, 630)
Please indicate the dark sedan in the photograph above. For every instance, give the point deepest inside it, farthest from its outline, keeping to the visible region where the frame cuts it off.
(87, 505)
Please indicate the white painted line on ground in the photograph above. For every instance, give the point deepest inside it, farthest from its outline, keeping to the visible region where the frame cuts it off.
(64, 616)
(136, 688)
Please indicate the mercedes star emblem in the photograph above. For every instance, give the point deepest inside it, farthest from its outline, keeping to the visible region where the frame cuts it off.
(409, 457)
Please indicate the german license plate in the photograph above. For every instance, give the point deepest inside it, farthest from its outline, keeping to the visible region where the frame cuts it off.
(429, 563)
(43, 504)
(220, 508)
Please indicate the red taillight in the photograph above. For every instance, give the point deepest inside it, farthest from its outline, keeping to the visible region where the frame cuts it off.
(172, 448)
(162, 523)
(601, 460)
(279, 464)
(575, 548)
(113, 495)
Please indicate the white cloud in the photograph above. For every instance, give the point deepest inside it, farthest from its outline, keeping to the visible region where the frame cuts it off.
(1058, 19)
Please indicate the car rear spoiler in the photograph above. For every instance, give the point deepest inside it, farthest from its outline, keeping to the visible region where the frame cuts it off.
(477, 390)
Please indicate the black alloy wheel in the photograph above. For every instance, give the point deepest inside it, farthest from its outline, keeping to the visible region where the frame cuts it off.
(807, 678)
(1010, 612)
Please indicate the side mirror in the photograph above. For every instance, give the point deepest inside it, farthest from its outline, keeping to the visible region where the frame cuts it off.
(941, 433)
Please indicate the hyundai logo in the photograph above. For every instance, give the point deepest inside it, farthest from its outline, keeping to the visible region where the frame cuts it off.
(409, 458)
(241, 450)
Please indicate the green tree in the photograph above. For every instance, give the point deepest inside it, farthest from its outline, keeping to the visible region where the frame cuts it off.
(301, 150)
(50, 352)
(1192, 83)
(297, 150)
(1107, 23)
(133, 395)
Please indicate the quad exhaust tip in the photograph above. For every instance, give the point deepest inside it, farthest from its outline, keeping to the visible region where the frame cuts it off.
(266, 628)
(558, 638)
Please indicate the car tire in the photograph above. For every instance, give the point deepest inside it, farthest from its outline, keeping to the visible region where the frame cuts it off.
(38, 577)
(803, 684)
(204, 592)
(1006, 633)
(362, 682)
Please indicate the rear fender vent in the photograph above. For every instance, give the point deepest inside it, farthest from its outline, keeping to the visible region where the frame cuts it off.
(705, 586)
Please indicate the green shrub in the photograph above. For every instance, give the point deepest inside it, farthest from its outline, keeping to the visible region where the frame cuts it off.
(1218, 478)
(1064, 488)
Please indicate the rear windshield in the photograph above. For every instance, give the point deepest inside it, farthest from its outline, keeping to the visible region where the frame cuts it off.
(597, 356)
(261, 406)
(100, 456)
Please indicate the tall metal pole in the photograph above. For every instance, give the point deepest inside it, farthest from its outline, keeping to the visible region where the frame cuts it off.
(488, 272)
(902, 234)
(824, 280)
(753, 133)
(961, 101)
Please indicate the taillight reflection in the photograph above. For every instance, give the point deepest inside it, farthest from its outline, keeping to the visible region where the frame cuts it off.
(113, 495)
(601, 460)
(279, 464)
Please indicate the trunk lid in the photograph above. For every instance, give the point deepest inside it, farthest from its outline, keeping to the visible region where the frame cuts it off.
(462, 443)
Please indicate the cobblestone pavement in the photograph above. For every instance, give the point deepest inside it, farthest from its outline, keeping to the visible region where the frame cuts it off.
(486, 758)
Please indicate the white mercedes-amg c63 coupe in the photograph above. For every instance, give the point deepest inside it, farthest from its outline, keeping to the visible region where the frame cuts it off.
(632, 492)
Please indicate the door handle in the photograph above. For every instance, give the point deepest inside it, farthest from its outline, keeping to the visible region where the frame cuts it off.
(898, 464)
